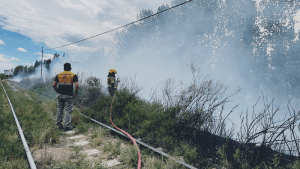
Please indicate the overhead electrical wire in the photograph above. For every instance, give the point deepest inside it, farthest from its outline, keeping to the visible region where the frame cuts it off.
(116, 28)
(35, 57)
(120, 26)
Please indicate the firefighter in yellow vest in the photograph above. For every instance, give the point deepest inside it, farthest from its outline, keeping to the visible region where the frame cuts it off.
(65, 96)
(111, 81)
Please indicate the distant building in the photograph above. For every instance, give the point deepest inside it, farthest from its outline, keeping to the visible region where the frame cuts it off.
(8, 72)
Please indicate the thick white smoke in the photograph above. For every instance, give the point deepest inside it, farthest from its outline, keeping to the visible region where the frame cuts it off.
(224, 45)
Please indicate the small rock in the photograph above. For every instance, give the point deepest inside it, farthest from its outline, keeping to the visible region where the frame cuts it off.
(111, 163)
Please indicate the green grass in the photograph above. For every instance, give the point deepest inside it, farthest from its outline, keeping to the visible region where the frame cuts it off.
(97, 134)
(14, 164)
(36, 124)
(12, 154)
(80, 164)
(129, 155)
(114, 148)
(44, 90)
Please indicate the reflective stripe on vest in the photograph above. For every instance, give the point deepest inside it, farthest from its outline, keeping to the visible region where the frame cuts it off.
(67, 84)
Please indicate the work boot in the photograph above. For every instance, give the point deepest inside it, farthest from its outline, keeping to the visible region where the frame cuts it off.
(60, 126)
(67, 128)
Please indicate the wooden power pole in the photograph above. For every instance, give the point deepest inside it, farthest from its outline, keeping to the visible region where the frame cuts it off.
(42, 62)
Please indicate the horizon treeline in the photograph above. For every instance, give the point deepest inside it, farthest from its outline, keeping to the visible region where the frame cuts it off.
(29, 70)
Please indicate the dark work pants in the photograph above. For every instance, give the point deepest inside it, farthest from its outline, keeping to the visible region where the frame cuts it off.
(64, 101)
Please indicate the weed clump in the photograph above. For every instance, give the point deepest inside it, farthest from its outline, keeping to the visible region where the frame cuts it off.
(82, 127)
(113, 148)
(129, 155)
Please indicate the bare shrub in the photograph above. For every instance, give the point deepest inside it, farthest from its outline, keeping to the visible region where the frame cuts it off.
(89, 91)
(129, 84)
(200, 105)
(269, 135)
(45, 160)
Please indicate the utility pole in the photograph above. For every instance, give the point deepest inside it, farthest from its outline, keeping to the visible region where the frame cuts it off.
(42, 62)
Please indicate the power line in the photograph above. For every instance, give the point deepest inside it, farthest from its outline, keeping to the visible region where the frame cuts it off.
(121, 26)
(35, 57)
(117, 27)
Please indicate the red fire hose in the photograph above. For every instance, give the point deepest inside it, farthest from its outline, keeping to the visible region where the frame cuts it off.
(139, 153)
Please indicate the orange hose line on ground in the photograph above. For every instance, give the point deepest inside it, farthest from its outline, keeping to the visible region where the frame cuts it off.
(139, 153)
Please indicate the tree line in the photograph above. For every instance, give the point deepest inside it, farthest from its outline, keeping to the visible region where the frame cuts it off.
(28, 70)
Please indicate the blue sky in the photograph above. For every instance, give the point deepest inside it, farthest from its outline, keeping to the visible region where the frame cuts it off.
(26, 26)
(20, 48)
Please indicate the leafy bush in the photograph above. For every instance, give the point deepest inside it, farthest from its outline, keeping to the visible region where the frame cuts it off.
(221, 151)
(160, 124)
(76, 119)
(295, 165)
(2, 76)
(89, 91)
(82, 127)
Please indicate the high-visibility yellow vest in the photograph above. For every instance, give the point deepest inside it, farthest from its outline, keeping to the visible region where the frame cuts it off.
(65, 82)
(110, 81)
(65, 78)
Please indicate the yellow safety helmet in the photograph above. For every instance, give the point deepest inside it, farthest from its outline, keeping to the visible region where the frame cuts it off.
(112, 70)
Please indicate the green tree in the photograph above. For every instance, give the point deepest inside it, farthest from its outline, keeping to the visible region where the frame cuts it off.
(47, 63)
(37, 64)
(25, 69)
(2, 76)
(55, 56)
(18, 69)
(31, 70)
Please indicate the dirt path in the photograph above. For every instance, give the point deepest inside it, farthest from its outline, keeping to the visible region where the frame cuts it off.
(73, 147)
(76, 147)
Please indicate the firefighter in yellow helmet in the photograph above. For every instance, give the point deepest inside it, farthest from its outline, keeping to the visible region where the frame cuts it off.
(111, 81)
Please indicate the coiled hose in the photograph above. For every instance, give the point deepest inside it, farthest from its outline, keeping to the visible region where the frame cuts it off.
(139, 153)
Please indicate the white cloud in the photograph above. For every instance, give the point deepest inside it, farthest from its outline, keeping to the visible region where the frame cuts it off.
(14, 59)
(22, 49)
(258, 1)
(7, 62)
(28, 64)
(59, 22)
(297, 22)
(47, 56)
(1, 42)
